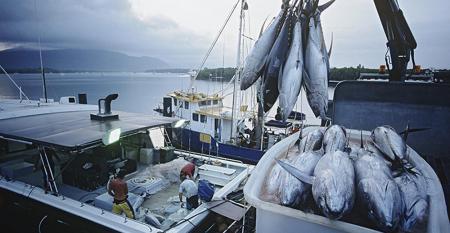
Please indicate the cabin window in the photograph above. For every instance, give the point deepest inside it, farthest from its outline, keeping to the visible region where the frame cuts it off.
(203, 118)
(208, 102)
(202, 103)
(186, 105)
(194, 116)
(175, 102)
(215, 102)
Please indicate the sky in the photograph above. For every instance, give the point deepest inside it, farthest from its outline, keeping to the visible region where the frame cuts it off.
(181, 31)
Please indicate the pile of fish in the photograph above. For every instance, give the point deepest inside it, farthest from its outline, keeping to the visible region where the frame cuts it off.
(291, 52)
(372, 179)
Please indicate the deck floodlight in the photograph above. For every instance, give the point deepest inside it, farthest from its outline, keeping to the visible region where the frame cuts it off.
(111, 136)
(180, 123)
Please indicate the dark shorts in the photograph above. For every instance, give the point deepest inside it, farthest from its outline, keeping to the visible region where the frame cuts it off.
(192, 202)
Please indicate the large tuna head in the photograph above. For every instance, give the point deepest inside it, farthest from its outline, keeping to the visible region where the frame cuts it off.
(389, 143)
(382, 200)
(329, 198)
(312, 141)
(334, 139)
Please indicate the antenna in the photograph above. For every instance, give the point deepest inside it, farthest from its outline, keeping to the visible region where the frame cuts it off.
(44, 85)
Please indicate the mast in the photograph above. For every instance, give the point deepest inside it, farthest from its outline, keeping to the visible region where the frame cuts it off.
(237, 78)
(44, 85)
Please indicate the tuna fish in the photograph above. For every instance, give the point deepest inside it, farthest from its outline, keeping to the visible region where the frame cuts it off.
(413, 189)
(290, 82)
(333, 183)
(377, 192)
(294, 192)
(316, 63)
(274, 62)
(274, 180)
(391, 144)
(312, 141)
(254, 63)
(335, 138)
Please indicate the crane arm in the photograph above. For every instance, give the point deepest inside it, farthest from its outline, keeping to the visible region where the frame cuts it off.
(401, 41)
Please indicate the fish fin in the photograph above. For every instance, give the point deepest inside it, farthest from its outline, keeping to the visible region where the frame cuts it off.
(323, 7)
(331, 46)
(408, 130)
(362, 144)
(295, 172)
(262, 27)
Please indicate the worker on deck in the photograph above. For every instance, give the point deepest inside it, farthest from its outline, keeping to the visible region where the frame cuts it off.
(188, 188)
(118, 188)
(188, 169)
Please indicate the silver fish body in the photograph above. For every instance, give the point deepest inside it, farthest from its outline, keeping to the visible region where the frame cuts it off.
(289, 84)
(378, 193)
(273, 181)
(334, 138)
(312, 141)
(333, 188)
(317, 69)
(413, 189)
(293, 191)
(254, 63)
(389, 142)
(275, 61)
(333, 183)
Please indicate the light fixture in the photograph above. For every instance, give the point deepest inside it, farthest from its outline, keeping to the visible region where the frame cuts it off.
(180, 123)
(111, 136)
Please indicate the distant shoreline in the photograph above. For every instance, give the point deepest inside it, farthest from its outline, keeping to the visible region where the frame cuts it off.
(216, 74)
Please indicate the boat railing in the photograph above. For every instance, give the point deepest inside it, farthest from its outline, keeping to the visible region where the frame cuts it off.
(195, 154)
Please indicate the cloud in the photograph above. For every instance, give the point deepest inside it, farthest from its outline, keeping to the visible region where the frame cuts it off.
(99, 24)
(180, 31)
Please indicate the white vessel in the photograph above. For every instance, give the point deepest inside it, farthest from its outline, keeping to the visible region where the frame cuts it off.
(89, 147)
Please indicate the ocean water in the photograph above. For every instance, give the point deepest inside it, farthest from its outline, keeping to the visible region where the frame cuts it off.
(138, 92)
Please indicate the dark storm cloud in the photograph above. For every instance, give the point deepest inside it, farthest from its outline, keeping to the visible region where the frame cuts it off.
(99, 24)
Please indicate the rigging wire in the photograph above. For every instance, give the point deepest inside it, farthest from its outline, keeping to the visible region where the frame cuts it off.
(15, 84)
(214, 43)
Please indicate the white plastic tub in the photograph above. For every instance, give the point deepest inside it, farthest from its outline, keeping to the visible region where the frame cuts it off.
(272, 217)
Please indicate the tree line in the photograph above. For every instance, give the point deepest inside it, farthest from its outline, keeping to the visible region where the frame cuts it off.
(336, 74)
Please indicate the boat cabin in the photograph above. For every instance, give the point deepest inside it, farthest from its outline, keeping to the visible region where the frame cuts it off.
(206, 114)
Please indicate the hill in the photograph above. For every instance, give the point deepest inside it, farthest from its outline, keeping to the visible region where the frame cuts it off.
(78, 60)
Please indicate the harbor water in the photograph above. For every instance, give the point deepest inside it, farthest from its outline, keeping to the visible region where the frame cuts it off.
(138, 92)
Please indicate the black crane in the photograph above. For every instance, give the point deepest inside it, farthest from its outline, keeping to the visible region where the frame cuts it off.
(401, 42)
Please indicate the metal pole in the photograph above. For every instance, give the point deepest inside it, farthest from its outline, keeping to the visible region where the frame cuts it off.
(44, 85)
(238, 73)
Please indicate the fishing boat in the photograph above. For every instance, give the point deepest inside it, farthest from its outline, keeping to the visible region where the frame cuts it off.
(212, 127)
(56, 159)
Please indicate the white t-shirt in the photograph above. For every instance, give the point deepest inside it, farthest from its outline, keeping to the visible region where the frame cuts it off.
(188, 188)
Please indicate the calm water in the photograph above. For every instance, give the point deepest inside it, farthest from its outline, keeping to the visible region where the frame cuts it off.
(138, 92)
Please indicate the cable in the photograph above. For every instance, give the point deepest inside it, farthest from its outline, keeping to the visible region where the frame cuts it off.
(40, 223)
(214, 43)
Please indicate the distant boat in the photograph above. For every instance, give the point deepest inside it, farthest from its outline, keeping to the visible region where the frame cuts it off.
(225, 131)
